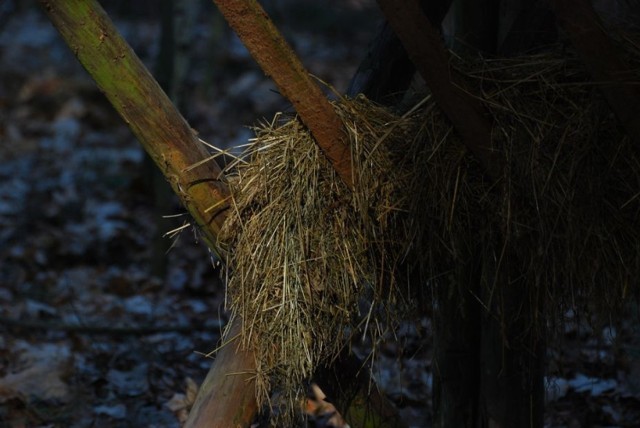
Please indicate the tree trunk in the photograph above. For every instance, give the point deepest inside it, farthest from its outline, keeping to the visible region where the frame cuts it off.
(488, 364)
(456, 362)
(512, 355)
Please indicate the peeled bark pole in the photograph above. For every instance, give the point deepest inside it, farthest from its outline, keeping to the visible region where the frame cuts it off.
(146, 109)
(432, 60)
(278, 61)
(174, 147)
(227, 396)
(616, 81)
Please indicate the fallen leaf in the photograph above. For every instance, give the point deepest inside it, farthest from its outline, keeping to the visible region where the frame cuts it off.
(180, 403)
(41, 375)
(321, 412)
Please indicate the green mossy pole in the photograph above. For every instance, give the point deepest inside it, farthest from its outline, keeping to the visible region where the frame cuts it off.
(175, 148)
(146, 109)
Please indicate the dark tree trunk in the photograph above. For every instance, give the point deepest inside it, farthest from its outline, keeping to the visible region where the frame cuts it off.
(489, 361)
(386, 71)
(512, 355)
(456, 365)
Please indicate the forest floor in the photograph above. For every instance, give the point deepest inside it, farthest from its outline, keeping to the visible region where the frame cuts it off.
(99, 325)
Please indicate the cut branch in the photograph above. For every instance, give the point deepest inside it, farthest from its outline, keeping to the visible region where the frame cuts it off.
(276, 58)
(617, 82)
(432, 60)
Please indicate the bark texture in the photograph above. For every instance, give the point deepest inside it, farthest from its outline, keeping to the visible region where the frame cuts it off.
(227, 396)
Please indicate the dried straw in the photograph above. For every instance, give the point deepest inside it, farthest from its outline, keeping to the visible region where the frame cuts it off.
(306, 252)
(305, 249)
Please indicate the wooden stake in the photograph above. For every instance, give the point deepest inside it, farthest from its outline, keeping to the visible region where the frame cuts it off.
(146, 109)
(278, 61)
(425, 48)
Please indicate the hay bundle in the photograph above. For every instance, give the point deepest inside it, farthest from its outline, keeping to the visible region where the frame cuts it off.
(563, 223)
(306, 250)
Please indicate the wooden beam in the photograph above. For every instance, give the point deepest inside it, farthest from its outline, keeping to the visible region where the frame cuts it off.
(227, 396)
(617, 82)
(146, 109)
(426, 50)
(175, 148)
(276, 58)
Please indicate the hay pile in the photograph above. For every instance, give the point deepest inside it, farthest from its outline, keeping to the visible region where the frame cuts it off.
(306, 252)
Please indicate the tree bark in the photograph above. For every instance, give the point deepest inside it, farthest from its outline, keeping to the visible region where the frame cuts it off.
(227, 396)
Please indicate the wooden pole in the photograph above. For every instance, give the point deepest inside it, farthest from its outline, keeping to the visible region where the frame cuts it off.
(425, 48)
(278, 61)
(227, 396)
(175, 148)
(146, 109)
(619, 85)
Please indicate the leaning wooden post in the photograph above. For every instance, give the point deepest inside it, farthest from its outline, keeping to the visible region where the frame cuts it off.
(174, 147)
(146, 109)
(278, 61)
(425, 48)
